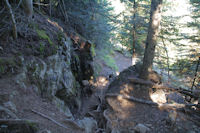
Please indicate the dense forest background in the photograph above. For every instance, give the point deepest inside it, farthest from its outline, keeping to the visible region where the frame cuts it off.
(100, 65)
(123, 26)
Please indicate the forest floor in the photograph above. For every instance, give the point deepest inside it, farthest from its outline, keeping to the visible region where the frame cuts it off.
(127, 116)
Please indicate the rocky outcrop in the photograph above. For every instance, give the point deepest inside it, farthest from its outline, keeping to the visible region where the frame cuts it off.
(51, 77)
(58, 76)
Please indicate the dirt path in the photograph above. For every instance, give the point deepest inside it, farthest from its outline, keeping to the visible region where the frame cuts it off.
(102, 82)
(122, 61)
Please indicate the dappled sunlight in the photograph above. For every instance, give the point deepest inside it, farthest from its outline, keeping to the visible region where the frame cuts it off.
(55, 24)
(121, 46)
(158, 96)
(118, 6)
(117, 73)
(126, 89)
(101, 81)
(125, 103)
(121, 105)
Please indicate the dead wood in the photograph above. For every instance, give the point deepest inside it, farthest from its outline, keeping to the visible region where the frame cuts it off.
(164, 105)
(73, 124)
(163, 86)
(12, 18)
(49, 118)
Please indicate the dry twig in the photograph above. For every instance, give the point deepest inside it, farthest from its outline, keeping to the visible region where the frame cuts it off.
(49, 118)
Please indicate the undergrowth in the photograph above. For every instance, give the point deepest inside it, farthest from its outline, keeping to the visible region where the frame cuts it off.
(106, 55)
(42, 34)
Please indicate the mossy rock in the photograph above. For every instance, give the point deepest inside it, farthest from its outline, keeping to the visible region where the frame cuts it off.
(42, 34)
(9, 65)
(18, 126)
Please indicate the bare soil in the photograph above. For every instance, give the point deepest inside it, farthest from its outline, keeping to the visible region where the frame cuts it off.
(26, 100)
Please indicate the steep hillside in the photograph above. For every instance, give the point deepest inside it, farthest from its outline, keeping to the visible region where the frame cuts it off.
(42, 71)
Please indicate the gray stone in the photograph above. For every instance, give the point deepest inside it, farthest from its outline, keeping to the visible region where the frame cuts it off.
(115, 131)
(8, 112)
(85, 82)
(63, 108)
(4, 98)
(191, 132)
(44, 131)
(1, 48)
(89, 124)
(141, 128)
(20, 79)
(10, 106)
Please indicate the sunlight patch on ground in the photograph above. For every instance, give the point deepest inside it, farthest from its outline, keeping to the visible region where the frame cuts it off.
(158, 96)
(117, 73)
(125, 103)
(101, 81)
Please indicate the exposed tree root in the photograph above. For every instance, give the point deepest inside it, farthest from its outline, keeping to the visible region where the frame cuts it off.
(193, 94)
(165, 105)
(49, 118)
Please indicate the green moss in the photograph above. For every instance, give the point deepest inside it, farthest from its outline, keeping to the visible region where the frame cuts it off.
(7, 61)
(42, 48)
(98, 69)
(60, 35)
(110, 62)
(93, 50)
(42, 34)
(2, 69)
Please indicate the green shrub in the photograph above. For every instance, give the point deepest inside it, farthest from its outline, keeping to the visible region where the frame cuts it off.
(93, 50)
(42, 34)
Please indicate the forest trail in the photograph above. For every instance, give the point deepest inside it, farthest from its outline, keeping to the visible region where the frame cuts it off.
(127, 116)
(122, 61)
(102, 82)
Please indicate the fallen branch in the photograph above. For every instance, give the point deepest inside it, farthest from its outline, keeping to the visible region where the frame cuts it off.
(161, 105)
(162, 86)
(47, 117)
(73, 124)
(17, 121)
(8, 112)
(12, 18)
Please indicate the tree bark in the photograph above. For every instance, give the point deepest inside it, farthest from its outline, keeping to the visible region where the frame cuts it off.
(28, 7)
(134, 33)
(155, 18)
(12, 18)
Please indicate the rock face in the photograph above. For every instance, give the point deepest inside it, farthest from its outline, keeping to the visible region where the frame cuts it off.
(53, 77)
(89, 124)
(141, 128)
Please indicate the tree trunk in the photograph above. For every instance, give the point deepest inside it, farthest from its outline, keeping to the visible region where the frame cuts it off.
(155, 18)
(28, 7)
(134, 33)
(14, 27)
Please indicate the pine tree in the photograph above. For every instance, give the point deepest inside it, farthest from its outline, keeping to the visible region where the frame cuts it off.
(155, 18)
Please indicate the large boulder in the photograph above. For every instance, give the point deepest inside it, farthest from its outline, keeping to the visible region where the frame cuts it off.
(53, 76)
